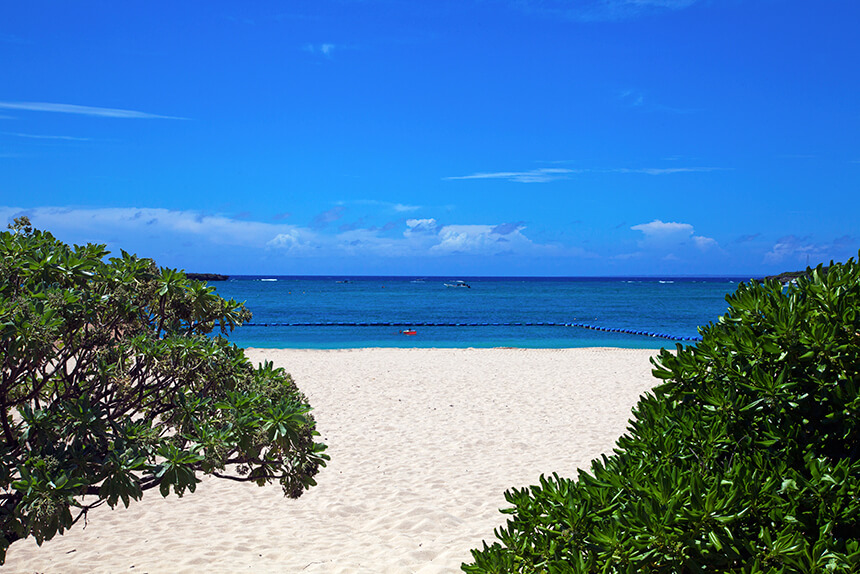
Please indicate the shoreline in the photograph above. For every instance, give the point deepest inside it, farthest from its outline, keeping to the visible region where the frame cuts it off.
(423, 445)
(255, 350)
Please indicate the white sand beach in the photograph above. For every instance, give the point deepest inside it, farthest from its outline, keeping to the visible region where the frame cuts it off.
(423, 444)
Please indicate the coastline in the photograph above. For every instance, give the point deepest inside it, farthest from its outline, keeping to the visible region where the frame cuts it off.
(424, 443)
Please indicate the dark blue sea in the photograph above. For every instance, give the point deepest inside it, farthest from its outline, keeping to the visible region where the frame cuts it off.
(350, 312)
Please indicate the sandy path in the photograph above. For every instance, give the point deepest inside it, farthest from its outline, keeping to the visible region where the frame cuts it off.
(424, 442)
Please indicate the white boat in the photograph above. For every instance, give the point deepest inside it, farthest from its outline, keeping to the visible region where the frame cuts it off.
(458, 284)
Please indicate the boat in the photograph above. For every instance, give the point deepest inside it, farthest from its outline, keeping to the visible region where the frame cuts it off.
(458, 284)
(409, 332)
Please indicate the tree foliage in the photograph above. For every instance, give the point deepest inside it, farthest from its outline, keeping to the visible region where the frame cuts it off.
(112, 385)
(745, 459)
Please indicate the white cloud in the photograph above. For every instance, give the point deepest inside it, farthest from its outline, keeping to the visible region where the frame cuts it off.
(420, 226)
(98, 225)
(44, 137)
(290, 241)
(399, 207)
(82, 110)
(464, 238)
(663, 234)
(544, 175)
(704, 242)
(665, 171)
(600, 10)
(533, 176)
(793, 248)
(168, 235)
(803, 251)
(480, 239)
(659, 228)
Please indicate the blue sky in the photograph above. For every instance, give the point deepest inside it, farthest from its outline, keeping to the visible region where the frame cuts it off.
(468, 137)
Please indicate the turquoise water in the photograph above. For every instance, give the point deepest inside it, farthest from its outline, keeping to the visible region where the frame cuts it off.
(674, 307)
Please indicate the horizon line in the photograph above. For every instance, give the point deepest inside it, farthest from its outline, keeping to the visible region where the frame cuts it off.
(450, 276)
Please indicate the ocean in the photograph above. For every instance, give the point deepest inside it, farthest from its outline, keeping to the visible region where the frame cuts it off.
(351, 312)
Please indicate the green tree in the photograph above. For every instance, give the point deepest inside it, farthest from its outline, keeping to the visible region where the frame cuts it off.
(113, 385)
(746, 459)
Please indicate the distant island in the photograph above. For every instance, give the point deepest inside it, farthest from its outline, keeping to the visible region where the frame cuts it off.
(790, 276)
(207, 276)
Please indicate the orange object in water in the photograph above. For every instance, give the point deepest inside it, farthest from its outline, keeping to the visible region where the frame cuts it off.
(409, 332)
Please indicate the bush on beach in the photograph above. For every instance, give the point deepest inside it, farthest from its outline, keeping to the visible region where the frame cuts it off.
(111, 386)
(745, 459)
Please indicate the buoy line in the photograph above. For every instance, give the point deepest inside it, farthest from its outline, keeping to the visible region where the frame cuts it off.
(452, 324)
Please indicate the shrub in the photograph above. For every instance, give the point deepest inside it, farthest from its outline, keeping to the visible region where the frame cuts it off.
(745, 459)
(111, 386)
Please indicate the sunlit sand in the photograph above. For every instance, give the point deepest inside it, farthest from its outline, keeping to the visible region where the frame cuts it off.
(423, 444)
